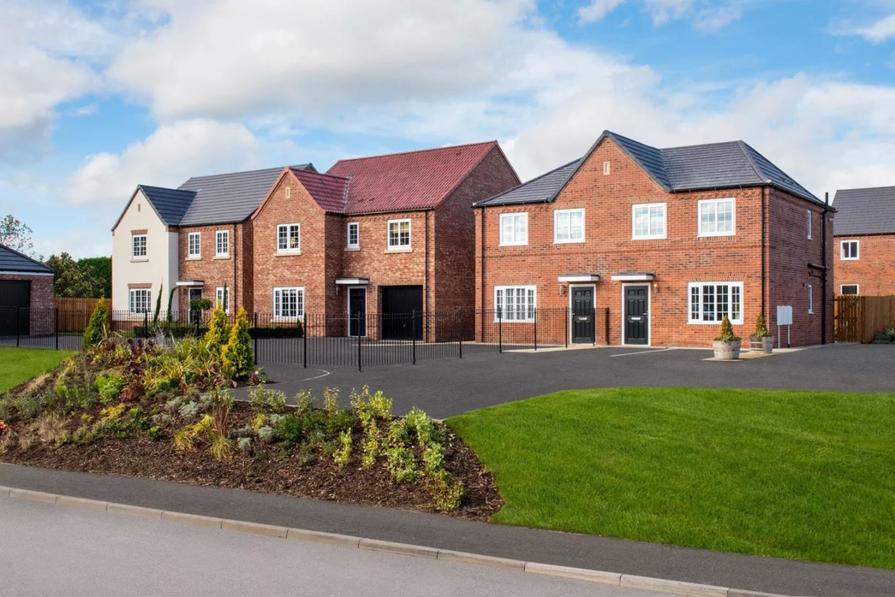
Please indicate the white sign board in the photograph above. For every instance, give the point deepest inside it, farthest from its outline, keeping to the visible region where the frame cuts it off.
(784, 314)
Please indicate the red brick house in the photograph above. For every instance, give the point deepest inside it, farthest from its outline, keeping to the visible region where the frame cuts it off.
(865, 241)
(387, 235)
(638, 245)
(26, 295)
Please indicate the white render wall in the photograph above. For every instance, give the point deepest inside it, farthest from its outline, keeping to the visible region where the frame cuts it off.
(160, 267)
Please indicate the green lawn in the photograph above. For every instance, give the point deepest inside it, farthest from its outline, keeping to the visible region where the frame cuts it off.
(807, 475)
(18, 365)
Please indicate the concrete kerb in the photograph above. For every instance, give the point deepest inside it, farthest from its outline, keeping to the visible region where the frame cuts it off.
(597, 576)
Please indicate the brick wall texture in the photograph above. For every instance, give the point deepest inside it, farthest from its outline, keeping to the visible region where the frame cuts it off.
(42, 302)
(682, 257)
(873, 271)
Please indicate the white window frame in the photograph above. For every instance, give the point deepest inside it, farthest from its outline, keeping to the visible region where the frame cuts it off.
(568, 212)
(130, 300)
(189, 245)
(299, 303)
(514, 241)
(810, 289)
(145, 254)
(348, 243)
(287, 250)
(649, 207)
(857, 244)
(704, 203)
(857, 289)
(701, 285)
(810, 218)
(388, 235)
(217, 243)
(530, 310)
(222, 298)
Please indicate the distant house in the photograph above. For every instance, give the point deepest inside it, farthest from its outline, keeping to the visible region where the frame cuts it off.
(662, 243)
(865, 241)
(26, 295)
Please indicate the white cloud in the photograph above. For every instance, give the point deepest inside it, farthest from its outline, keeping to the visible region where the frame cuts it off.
(877, 32)
(597, 9)
(44, 60)
(663, 11)
(169, 156)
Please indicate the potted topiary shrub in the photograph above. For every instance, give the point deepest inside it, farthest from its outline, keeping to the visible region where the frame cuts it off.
(761, 338)
(727, 345)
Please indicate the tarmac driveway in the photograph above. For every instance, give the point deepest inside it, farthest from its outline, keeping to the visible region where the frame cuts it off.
(450, 386)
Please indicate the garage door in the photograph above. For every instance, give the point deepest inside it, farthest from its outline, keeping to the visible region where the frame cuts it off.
(15, 298)
(398, 305)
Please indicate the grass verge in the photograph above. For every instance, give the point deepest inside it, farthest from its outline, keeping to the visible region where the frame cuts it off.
(18, 365)
(805, 475)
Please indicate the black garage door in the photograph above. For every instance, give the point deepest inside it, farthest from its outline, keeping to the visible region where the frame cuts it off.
(15, 298)
(399, 303)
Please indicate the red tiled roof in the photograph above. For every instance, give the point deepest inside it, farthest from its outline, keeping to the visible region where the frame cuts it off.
(407, 181)
(330, 192)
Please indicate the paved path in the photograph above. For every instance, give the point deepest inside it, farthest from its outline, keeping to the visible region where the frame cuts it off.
(449, 386)
(45, 550)
(599, 553)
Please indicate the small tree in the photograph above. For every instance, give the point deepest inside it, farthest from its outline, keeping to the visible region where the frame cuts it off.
(236, 355)
(158, 306)
(97, 328)
(727, 334)
(218, 331)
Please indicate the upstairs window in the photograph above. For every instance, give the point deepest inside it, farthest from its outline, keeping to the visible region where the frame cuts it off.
(850, 250)
(568, 226)
(514, 303)
(139, 300)
(849, 290)
(648, 221)
(398, 234)
(717, 217)
(194, 245)
(138, 246)
(353, 236)
(514, 229)
(711, 301)
(222, 243)
(289, 238)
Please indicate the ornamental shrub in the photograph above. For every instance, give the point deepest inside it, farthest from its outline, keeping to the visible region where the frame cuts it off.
(761, 328)
(218, 331)
(98, 326)
(237, 357)
(727, 334)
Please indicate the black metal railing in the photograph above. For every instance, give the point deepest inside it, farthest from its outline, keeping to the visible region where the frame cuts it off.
(320, 340)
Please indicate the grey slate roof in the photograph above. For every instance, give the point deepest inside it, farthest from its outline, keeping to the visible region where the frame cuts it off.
(169, 204)
(864, 211)
(225, 198)
(13, 261)
(731, 164)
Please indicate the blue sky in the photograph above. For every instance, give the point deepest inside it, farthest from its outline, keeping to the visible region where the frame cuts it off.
(96, 97)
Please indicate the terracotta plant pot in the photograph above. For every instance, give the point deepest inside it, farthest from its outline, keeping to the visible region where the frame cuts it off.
(726, 351)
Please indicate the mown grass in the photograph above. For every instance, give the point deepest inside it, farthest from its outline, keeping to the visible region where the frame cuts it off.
(805, 475)
(18, 365)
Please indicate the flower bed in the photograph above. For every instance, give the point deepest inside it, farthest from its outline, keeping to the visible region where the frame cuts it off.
(135, 408)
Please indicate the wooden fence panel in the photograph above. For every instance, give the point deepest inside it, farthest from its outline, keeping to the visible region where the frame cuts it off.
(858, 318)
(74, 313)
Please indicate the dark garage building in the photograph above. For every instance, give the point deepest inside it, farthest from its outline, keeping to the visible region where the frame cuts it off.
(26, 295)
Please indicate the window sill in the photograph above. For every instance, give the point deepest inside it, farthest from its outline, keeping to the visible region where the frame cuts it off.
(716, 234)
(194, 258)
(288, 253)
(649, 238)
(732, 322)
(222, 257)
(399, 250)
(568, 242)
(139, 259)
(352, 248)
(513, 244)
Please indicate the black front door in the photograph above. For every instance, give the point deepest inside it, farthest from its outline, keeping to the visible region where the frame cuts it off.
(357, 311)
(401, 312)
(637, 314)
(583, 314)
(15, 301)
(194, 294)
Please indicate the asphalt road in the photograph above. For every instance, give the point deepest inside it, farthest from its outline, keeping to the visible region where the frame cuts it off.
(47, 550)
(449, 386)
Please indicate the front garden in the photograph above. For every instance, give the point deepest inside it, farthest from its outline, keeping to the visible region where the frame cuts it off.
(163, 408)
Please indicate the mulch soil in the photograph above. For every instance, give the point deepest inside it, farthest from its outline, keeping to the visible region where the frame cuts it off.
(272, 469)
